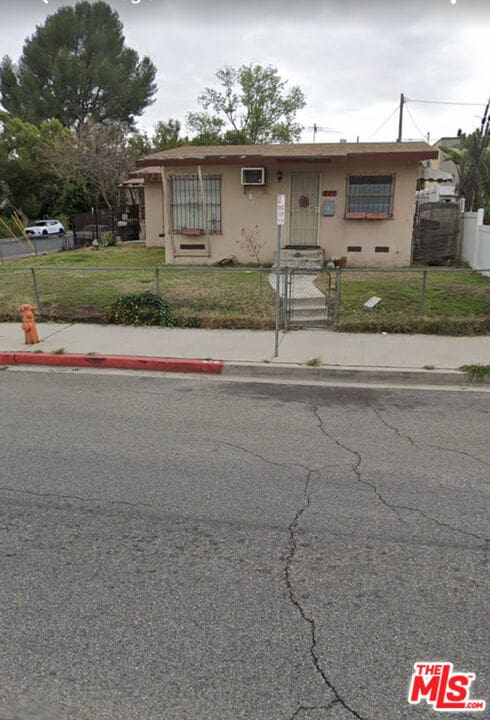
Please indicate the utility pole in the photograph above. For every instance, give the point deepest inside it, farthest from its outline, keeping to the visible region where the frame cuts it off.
(400, 118)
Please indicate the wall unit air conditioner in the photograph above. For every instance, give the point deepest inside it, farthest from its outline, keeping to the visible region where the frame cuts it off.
(253, 176)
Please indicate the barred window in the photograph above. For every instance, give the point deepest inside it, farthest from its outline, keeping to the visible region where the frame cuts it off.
(370, 194)
(187, 204)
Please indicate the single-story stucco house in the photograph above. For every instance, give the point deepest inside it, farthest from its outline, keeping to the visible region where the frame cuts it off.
(354, 199)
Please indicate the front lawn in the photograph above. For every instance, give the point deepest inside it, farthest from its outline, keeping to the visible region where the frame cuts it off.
(71, 289)
(455, 302)
(81, 285)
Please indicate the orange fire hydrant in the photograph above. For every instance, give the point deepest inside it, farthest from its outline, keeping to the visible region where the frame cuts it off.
(29, 324)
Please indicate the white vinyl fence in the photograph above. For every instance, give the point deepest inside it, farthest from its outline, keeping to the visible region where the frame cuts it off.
(475, 241)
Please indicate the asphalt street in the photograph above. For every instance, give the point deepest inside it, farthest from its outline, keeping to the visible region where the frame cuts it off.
(193, 549)
(10, 248)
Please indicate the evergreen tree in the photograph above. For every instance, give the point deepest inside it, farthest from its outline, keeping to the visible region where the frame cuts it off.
(76, 67)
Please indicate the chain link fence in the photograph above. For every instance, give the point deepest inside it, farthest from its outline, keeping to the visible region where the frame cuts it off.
(440, 300)
(198, 297)
(455, 300)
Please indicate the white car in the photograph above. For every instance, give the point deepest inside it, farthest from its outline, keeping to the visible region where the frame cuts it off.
(45, 227)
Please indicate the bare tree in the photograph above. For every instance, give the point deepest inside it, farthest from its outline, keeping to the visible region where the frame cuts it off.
(100, 152)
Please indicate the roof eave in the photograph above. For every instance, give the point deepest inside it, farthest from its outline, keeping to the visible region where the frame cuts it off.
(409, 155)
(268, 160)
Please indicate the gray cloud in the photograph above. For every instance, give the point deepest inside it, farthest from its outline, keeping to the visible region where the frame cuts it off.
(351, 57)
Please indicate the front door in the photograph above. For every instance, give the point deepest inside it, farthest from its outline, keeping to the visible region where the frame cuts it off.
(303, 221)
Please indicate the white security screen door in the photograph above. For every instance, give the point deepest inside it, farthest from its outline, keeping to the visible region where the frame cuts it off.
(303, 226)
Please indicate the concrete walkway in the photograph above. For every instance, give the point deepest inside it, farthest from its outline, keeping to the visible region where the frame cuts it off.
(303, 287)
(296, 347)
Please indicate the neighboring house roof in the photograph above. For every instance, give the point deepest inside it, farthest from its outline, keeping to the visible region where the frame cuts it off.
(134, 180)
(442, 162)
(309, 152)
(435, 174)
(448, 141)
(148, 172)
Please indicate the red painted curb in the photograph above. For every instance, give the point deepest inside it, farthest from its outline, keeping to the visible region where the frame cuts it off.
(124, 362)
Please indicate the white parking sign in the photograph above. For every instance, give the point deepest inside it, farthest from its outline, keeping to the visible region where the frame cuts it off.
(281, 209)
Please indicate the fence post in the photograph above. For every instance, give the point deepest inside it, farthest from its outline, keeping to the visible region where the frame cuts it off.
(36, 289)
(286, 297)
(74, 232)
(278, 291)
(157, 282)
(422, 297)
(336, 309)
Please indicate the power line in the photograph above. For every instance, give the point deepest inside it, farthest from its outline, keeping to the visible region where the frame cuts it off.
(383, 124)
(424, 135)
(442, 102)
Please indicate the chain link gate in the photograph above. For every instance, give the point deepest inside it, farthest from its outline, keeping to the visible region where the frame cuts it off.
(308, 298)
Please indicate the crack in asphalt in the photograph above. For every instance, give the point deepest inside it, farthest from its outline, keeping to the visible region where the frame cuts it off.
(297, 604)
(394, 506)
(400, 434)
(286, 466)
(128, 503)
(468, 533)
(255, 454)
(460, 452)
(306, 708)
(60, 496)
(293, 545)
(406, 436)
(356, 467)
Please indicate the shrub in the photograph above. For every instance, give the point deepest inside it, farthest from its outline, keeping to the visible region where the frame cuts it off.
(141, 309)
(476, 372)
(188, 321)
(192, 322)
(107, 239)
(433, 326)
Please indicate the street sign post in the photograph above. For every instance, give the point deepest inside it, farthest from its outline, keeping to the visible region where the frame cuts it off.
(281, 215)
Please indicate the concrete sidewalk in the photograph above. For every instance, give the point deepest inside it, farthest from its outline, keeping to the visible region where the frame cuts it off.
(348, 350)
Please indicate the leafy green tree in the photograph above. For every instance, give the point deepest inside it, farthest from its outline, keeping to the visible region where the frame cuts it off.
(76, 195)
(139, 144)
(253, 105)
(207, 130)
(75, 67)
(472, 159)
(27, 183)
(166, 135)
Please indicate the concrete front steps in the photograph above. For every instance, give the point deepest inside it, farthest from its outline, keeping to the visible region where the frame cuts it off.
(301, 258)
(308, 311)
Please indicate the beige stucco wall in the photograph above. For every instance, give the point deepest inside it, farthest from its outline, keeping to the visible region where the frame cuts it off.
(154, 214)
(254, 210)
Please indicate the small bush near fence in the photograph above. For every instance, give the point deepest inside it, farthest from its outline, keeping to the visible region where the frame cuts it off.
(141, 309)
(108, 239)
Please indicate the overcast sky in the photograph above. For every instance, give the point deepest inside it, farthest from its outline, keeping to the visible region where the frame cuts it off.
(352, 58)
